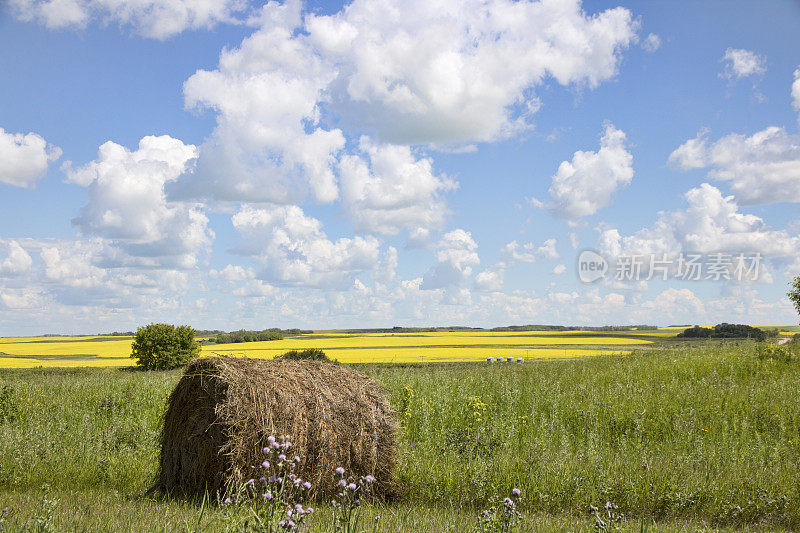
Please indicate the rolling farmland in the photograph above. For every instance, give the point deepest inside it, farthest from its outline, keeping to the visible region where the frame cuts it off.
(103, 351)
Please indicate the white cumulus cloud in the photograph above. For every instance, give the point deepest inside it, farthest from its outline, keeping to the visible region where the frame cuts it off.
(157, 19)
(231, 273)
(411, 72)
(392, 190)
(740, 63)
(761, 169)
(294, 250)
(24, 158)
(127, 204)
(17, 262)
(587, 183)
(456, 254)
(528, 252)
(710, 224)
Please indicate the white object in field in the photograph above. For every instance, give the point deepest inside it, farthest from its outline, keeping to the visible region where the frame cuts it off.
(510, 359)
(490, 359)
(520, 359)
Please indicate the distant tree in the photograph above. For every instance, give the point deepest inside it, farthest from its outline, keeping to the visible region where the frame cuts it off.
(794, 294)
(738, 331)
(696, 333)
(725, 331)
(248, 336)
(164, 346)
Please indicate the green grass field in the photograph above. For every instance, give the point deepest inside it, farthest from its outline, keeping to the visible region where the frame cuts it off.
(682, 437)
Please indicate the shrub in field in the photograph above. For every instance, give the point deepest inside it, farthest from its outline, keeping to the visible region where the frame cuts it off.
(8, 405)
(164, 346)
(310, 354)
(784, 353)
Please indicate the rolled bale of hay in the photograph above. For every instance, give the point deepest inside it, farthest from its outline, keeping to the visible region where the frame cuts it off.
(223, 409)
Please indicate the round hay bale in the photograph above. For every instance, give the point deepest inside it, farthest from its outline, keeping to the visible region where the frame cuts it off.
(223, 409)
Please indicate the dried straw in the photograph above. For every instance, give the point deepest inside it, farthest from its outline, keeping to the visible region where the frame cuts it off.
(223, 409)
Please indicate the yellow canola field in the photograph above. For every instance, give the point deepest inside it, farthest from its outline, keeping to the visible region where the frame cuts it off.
(22, 362)
(368, 341)
(395, 355)
(58, 339)
(431, 355)
(105, 348)
(347, 348)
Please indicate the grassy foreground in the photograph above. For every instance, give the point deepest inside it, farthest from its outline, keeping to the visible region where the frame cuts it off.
(678, 438)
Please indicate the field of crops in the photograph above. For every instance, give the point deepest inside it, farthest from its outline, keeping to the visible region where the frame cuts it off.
(681, 436)
(52, 351)
(418, 347)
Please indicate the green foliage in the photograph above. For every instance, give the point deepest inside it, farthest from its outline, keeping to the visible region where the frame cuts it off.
(794, 293)
(8, 404)
(659, 433)
(310, 354)
(164, 346)
(696, 333)
(248, 336)
(725, 331)
(785, 353)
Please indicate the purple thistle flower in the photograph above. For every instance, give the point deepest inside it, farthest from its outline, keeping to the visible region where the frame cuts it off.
(369, 479)
(342, 483)
(516, 492)
(340, 470)
(296, 459)
(310, 510)
(227, 501)
(270, 439)
(352, 486)
(251, 482)
(265, 464)
(307, 485)
(281, 457)
(275, 445)
(267, 496)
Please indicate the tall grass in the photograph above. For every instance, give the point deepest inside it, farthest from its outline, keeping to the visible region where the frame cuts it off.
(706, 435)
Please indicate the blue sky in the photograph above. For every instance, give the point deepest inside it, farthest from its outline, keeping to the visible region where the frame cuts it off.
(384, 163)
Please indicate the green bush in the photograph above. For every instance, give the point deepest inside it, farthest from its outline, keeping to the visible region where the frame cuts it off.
(725, 331)
(164, 346)
(249, 336)
(311, 354)
(783, 353)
